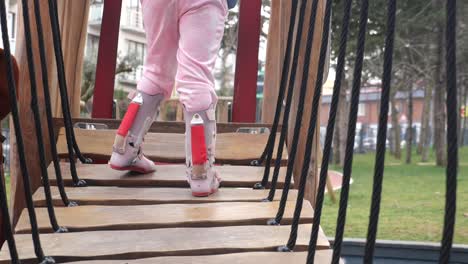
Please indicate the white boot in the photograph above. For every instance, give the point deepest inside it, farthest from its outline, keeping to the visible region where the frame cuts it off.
(127, 151)
(200, 141)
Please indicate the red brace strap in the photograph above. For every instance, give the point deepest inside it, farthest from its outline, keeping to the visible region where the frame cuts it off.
(199, 152)
(128, 119)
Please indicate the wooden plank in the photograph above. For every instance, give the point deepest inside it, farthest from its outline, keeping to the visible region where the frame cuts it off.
(93, 218)
(146, 196)
(161, 126)
(321, 256)
(136, 244)
(231, 148)
(165, 176)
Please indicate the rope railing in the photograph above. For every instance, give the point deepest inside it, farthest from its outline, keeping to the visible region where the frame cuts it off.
(69, 132)
(19, 141)
(452, 137)
(311, 131)
(299, 114)
(7, 227)
(382, 133)
(37, 118)
(64, 90)
(48, 107)
(269, 148)
(451, 108)
(330, 132)
(348, 161)
(287, 108)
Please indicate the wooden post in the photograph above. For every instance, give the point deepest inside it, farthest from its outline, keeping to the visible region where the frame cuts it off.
(73, 26)
(312, 180)
(276, 46)
(279, 25)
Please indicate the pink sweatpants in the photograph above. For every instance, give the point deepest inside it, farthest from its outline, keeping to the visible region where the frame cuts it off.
(183, 39)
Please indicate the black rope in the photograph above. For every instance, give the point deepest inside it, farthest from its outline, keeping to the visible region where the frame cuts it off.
(63, 93)
(3, 196)
(299, 114)
(282, 89)
(66, 112)
(347, 169)
(19, 141)
(330, 132)
(287, 109)
(381, 134)
(37, 118)
(48, 107)
(312, 127)
(6, 227)
(284, 129)
(452, 146)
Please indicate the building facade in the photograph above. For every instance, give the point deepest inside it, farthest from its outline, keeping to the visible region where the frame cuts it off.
(132, 41)
(369, 109)
(12, 7)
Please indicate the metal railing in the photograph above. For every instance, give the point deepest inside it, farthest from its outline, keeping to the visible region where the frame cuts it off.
(134, 18)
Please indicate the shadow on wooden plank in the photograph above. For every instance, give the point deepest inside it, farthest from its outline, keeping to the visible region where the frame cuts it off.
(165, 176)
(146, 196)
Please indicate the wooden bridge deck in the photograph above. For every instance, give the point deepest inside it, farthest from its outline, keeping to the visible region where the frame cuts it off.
(130, 218)
(231, 148)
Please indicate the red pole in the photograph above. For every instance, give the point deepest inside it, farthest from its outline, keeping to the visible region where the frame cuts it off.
(107, 60)
(245, 83)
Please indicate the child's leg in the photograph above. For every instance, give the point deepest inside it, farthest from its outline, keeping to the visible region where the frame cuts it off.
(201, 27)
(160, 20)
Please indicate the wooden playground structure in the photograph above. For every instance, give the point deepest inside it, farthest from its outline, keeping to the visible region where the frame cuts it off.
(124, 216)
(68, 206)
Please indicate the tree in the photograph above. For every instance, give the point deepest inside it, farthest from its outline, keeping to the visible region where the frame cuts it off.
(125, 64)
(418, 62)
(228, 49)
(374, 47)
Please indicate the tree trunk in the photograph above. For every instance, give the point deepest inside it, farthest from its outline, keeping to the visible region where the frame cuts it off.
(459, 105)
(224, 73)
(395, 129)
(342, 116)
(341, 125)
(409, 133)
(439, 99)
(425, 138)
(463, 127)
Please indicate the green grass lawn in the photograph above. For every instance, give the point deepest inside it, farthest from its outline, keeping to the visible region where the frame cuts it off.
(412, 205)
